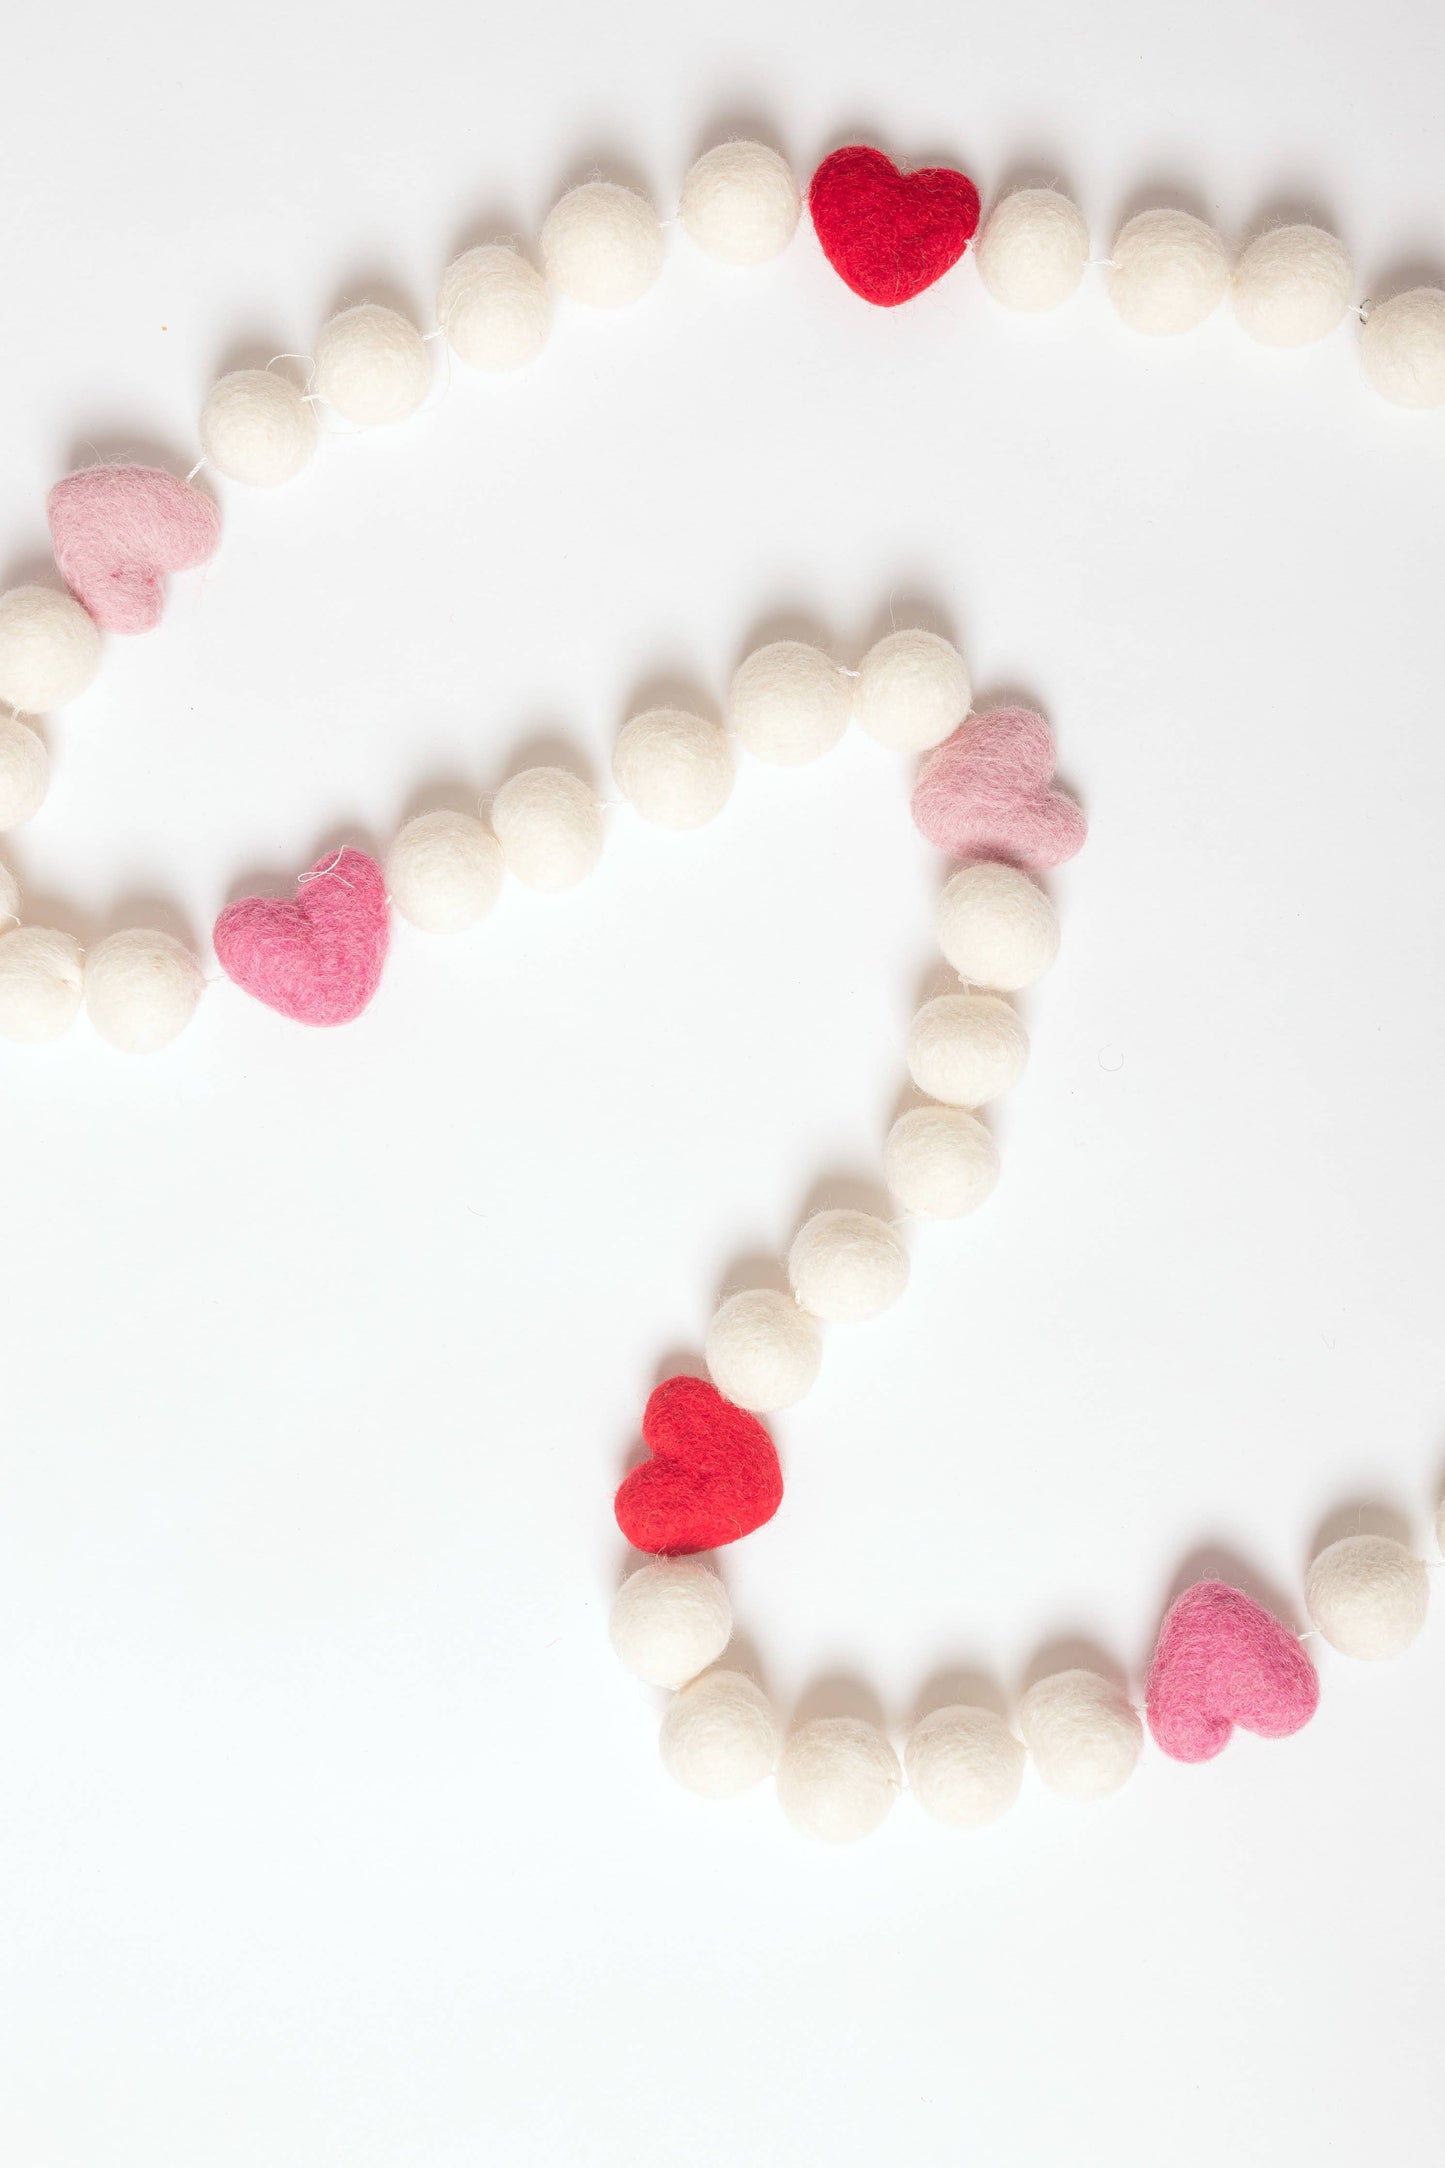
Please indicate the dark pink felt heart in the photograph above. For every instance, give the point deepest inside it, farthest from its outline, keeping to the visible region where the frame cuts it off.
(986, 793)
(1222, 1660)
(318, 959)
(118, 532)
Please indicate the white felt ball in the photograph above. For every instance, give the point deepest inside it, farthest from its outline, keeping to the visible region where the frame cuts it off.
(602, 244)
(49, 649)
(677, 769)
(912, 691)
(1367, 1596)
(670, 1620)
(444, 871)
(837, 1779)
(762, 1351)
(1169, 271)
(967, 1048)
(789, 703)
(372, 365)
(24, 772)
(997, 927)
(1402, 348)
(1291, 286)
(846, 1266)
(256, 427)
(964, 1766)
(940, 1162)
(40, 980)
(740, 203)
(719, 1735)
(1083, 1735)
(9, 897)
(1034, 249)
(494, 308)
(141, 989)
(549, 825)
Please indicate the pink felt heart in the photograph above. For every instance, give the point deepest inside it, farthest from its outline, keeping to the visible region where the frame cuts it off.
(318, 959)
(1222, 1660)
(118, 531)
(985, 793)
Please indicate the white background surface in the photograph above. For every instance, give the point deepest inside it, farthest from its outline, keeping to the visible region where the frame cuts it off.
(329, 1831)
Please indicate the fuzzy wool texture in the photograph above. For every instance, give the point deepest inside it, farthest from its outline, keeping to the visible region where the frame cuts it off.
(987, 792)
(1034, 250)
(940, 1162)
(789, 703)
(967, 1049)
(847, 1266)
(890, 234)
(494, 308)
(119, 532)
(741, 203)
(712, 1475)
(1368, 1596)
(24, 772)
(142, 988)
(1221, 1660)
(372, 366)
(719, 1736)
(837, 1779)
(1402, 348)
(317, 960)
(670, 1620)
(257, 428)
(997, 927)
(49, 649)
(41, 974)
(444, 871)
(1083, 1735)
(762, 1351)
(964, 1766)
(602, 244)
(549, 825)
(676, 769)
(1168, 272)
(9, 898)
(913, 689)
(1291, 286)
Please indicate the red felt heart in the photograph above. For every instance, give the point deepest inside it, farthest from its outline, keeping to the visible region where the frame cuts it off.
(318, 959)
(984, 793)
(1222, 1660)
(889, 234)
(713, 1475)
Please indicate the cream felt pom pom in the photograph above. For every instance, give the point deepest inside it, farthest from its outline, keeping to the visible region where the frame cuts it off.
(762, 1352)
(24, 772)
(677, 769)
(740, 203)
(602, 244)
(1402, 348)
(997, 927)
(444, 871)
(1367, 1596)
(141, 989)
(41, 972)
(1169, 271)
(1291, 286)
(49, 649)
(257, 428)
(837, 1779)
(912, 692)
(670, 1620)
(964, 1766)
(847, 1266)
(372, 366)
(940, 1162)
(719, 1735)
(1083, 1735)
(967, 1048)
(1034, 249)
(494, 308)
(9, 898)
(549, 825)
(789, 703)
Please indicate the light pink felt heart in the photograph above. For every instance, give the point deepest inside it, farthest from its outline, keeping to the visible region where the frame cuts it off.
(318, 959)
(118, 531)
(1222, 1660)
(985, 793)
